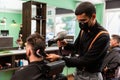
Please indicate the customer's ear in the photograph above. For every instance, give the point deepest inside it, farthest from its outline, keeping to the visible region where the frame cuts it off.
(28, 53)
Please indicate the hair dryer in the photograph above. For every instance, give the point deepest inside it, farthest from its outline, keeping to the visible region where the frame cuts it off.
(60, 36)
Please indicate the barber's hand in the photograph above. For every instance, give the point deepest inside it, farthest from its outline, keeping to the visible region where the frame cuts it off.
(52, 57)
(61, 43)
(105, 69)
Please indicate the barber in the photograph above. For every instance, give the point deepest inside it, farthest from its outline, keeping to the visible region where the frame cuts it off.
(89, 61)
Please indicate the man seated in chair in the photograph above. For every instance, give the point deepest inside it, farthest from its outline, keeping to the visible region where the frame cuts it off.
(35, 46)
(112, 60)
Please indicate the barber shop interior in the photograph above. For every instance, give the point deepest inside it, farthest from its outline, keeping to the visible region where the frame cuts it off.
(59, 39)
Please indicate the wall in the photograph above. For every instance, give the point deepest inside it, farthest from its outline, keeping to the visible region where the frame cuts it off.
(68, 4)
(5, 75)
(100, 12)
(13, 28)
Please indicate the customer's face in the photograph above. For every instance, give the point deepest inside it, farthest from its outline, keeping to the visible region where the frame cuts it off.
(113, 42)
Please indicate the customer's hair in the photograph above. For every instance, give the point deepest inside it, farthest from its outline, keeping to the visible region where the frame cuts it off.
(85, 7)
(38, 43)
(116, 37)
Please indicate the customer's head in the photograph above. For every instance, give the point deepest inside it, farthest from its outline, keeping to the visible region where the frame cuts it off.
(35, 45)
(115, 40)
(86, 14)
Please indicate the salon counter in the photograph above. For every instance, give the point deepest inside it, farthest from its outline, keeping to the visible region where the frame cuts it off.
(6, 41)
(10, 57)
(23, 51)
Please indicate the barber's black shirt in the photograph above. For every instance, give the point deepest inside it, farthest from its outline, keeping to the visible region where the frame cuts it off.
(89, 60)
(30, 72)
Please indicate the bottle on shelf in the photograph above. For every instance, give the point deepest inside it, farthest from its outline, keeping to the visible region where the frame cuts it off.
(37, 18)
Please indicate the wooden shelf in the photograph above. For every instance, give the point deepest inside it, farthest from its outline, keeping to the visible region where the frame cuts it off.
(27, 12)
(37, 19)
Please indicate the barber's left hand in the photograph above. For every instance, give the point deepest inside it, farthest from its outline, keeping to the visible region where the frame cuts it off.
(52, 57)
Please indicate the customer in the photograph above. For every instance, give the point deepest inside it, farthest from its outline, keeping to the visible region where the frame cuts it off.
(35, 46)
(91, 45)
(112, 59)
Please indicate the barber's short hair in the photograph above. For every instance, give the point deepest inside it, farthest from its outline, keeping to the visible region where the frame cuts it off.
(37, 42)
(85, 7)
(116, 37)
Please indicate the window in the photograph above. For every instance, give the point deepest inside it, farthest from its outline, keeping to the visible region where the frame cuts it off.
(113, 21)
(65, 22)
(59, 22)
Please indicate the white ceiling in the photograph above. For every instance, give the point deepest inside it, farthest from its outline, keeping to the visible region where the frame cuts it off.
(16, 5)
(11, 5)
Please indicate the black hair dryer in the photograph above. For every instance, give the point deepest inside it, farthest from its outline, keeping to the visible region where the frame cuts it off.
(60, 36)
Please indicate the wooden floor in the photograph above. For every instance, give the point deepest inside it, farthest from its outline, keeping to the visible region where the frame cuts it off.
(70, 77)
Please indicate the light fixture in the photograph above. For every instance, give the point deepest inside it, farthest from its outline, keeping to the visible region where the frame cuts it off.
(13, 21)
(3, 20)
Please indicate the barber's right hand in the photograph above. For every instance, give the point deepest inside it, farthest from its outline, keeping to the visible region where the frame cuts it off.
(61, 43)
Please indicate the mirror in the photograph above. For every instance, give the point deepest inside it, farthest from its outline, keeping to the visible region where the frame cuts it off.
(59, 19)
(11, 19)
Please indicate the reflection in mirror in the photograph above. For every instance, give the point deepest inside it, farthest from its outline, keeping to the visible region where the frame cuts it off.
(50, 26)
(33, 27)
(59, 19)
(56, 21)
(8, 13)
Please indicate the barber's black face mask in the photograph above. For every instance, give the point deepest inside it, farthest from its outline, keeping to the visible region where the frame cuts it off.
(84, 26)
